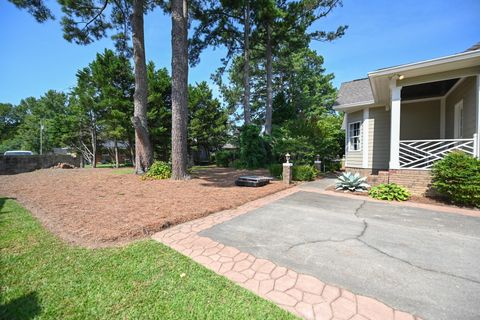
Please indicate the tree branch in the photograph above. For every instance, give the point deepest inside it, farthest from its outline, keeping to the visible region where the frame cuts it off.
(97, 15)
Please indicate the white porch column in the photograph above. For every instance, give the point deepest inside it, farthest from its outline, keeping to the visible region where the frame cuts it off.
(365, 132)
(346, 138)
(478, 115)
(395, 124)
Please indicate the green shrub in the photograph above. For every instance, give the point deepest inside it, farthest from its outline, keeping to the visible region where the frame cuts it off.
(457, 176)
(276, 170)
(301, 150)
(304, 173)
(238, 164)
(253, 153)
(352, 182)
(159, 170)
(390, 191)
(223, 158)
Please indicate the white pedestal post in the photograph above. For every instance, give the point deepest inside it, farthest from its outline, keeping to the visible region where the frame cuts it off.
(287, 173)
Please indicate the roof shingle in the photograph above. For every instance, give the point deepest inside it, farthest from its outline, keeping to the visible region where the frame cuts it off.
(355, 91)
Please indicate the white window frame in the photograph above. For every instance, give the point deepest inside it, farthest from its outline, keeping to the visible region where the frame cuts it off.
(351, 137)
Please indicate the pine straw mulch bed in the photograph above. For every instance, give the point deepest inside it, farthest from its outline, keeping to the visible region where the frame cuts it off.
(99, 208)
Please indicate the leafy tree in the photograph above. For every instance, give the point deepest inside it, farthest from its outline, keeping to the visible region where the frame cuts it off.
(113, 78)
(49, 111)
(262, 31)
(227, 23)
(207, 126)
(10, 119)
(36, 8)
(86, 108)
(253, 153)
(101, 103)
(160, 111)
(285, 25)
(85, 21)
(306, 88)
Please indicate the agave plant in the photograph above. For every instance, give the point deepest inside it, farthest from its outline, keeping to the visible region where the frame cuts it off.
(353, 182)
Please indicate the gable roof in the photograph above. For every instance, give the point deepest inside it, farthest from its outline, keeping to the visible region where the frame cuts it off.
(375, 89)
(476, 46)
(355, 92)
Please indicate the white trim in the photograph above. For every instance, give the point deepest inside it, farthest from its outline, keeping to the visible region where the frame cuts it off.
(395, 108)
(353, 104)
(460, 80)
(426, 63)
(433, 140)
(454, 86)
(422, 100)
(359, 136)
(439, 76)
(476, 152)
(442, 117)
(365, 131)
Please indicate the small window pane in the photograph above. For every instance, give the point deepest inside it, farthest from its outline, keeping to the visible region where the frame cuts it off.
(354, 136)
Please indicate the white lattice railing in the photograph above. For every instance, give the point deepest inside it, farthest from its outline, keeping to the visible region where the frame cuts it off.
(421, 154)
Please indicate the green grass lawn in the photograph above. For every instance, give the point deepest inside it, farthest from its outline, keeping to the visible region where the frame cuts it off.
(43, 278)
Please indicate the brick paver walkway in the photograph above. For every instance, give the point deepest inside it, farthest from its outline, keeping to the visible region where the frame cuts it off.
(301, 294)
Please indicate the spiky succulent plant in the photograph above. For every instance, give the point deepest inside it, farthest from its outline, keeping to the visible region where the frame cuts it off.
(349, 181)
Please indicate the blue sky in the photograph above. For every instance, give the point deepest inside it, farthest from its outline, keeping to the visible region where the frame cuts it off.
(36, 58)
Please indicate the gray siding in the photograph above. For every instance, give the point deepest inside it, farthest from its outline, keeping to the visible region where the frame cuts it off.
(379, 138)
(465, 91)
(354, 158)
(420, 120)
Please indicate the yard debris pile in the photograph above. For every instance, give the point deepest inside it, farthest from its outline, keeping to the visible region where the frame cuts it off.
(99, 207)
(63, 165)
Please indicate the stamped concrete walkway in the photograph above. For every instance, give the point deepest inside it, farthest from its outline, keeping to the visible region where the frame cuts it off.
(299, 293)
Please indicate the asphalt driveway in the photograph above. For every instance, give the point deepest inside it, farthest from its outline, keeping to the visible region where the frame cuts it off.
(423, 262)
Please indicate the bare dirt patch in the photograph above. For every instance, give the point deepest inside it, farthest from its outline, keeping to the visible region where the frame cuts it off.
(98, 207)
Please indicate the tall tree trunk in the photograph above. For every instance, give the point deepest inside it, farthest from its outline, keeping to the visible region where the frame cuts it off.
(116, 152)
(82, 161)
(94, 147)
(246, 64)
(179, 88)
(268, 110)
(143, 147)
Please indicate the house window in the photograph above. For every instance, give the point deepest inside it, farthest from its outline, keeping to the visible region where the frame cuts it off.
(354, 136)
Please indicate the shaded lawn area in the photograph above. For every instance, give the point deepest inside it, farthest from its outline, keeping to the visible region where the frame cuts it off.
(44, 278)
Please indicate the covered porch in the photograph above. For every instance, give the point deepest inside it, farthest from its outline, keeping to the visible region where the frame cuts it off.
(433, 110)
(434, 118)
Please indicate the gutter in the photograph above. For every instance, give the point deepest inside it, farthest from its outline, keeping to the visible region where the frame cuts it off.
(342, 107)
(426, 63)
